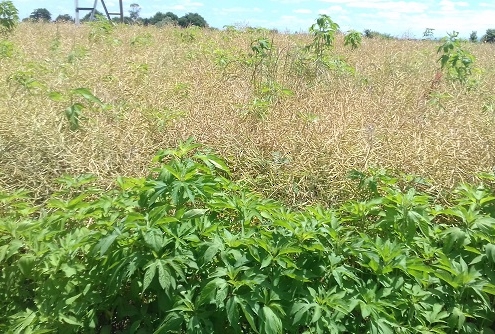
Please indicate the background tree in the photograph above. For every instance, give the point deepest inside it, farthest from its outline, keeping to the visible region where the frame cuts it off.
(473, 37)
(64, 18)
(192, 19)
(428, 33)
(41, 14)
(9, 15)
(489, 37)
(168, 17)
(134, 11)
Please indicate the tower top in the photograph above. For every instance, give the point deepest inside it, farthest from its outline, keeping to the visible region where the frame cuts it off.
(93, 10)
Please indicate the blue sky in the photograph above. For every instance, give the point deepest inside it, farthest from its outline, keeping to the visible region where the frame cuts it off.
(398, 18)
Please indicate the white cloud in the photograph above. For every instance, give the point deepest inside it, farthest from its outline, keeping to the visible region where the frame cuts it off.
(239, 10)
(303, 11)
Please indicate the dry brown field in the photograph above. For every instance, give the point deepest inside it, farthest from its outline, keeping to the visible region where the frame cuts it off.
(287, 127)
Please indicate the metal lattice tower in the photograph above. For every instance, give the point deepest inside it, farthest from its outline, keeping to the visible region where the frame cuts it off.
(93, 10)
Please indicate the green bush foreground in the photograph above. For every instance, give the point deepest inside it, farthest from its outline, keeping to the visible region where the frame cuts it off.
(186, 250)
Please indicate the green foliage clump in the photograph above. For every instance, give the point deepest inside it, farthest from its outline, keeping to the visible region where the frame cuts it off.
(323, 33)
(9, 16)
(41, 15)
(489, 36)
(456, 60)
(192, 19)
(186, 250)
(368, 33)
(473, 37)
(353, 38)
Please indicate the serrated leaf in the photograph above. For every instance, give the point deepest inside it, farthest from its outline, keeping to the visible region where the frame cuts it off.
(165, 278)
(105, 243)
(149, 275)
(233, 313)
(271, 323)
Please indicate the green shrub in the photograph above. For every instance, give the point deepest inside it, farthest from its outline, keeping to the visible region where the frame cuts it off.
(188, 251)
(9, 16)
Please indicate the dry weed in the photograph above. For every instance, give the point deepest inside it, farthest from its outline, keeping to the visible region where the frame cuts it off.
(162, 88)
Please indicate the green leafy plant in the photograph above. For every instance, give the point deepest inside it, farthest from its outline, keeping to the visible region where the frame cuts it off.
(323, 33)
(455, 60)
(353, 38)
(73, 112)
(9, 16)
(186, 250)
(260, 60)
(6, 49)
(100, 29)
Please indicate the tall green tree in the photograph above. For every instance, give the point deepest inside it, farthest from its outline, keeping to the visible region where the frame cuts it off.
(192, 19)
(41, 14)
(134, 11)
(168, 17)
(489, 37)
(64, 18)
(473, 37)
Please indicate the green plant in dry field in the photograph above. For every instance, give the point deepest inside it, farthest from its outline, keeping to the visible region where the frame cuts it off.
(101, 29)
(73, 112)
(353, 38)
(323, 33)
(456, 60)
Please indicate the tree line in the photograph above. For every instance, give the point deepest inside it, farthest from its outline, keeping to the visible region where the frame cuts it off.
(159, 19)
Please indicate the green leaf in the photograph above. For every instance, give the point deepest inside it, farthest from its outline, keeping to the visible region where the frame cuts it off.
(153, 238)
(247, 314)
(193, 213)
(56, 96)
(299, 310)
(26, 264)
(70, 320)
(87, 95)
(149, 275)
(70, 300)
(208, 292)
(172, 324)
(165, 278)
(271, 323)
(233, 313)
(106, 242)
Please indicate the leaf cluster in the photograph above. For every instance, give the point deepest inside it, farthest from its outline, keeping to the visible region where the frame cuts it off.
(456, 60)
(9, 16)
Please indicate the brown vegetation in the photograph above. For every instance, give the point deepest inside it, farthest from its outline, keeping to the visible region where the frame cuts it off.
(165, 85)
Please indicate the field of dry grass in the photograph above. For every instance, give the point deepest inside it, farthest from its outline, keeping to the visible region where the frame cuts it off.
(161, 86)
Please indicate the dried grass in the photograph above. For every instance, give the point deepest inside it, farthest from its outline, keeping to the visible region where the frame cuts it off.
(164, 89)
